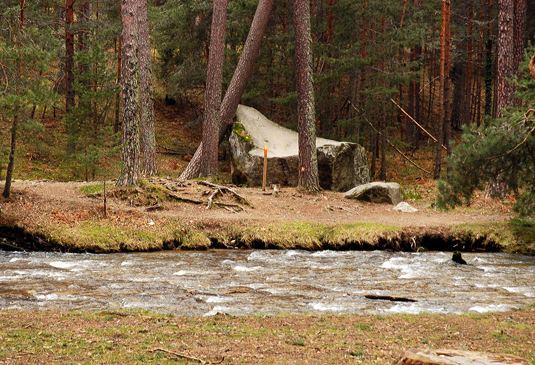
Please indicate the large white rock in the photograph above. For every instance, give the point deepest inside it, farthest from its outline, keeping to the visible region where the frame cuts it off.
(376, 192)
(341, 165)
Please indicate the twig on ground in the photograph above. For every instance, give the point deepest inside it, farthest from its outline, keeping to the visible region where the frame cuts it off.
(230, 205)
(183, 199)
(183, 356)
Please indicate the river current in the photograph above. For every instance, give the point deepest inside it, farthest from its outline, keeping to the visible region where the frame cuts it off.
(243, 282)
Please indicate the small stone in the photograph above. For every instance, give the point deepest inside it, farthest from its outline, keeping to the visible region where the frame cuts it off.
(405, 208)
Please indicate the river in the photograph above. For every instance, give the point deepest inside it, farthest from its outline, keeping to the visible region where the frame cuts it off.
(243, 282)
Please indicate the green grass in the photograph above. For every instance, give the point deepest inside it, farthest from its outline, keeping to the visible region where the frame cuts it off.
(92, 189)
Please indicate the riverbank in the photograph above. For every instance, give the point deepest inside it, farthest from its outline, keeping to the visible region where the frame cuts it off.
(163, 214)
(128, 337)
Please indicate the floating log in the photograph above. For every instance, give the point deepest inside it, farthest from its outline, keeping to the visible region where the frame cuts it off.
(388, 297)
(457, 357)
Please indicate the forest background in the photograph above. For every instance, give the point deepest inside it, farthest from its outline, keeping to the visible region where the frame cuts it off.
(376, 66)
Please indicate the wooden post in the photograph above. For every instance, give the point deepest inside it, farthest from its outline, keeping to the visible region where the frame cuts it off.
(265, 169)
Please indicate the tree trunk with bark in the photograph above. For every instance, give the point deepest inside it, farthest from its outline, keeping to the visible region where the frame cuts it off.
(212, 101)
(412, 133)
(69, 75)
(130, 171)
(504, 67)
(150, 166)
(308, 159)
(238, 83)
(488, 64)
(519, 38)
(442, 114)
(11, 165)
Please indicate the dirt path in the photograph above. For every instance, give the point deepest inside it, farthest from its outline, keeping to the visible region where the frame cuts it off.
(41, 197)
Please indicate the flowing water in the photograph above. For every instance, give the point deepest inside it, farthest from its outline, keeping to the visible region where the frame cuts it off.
(252, 282)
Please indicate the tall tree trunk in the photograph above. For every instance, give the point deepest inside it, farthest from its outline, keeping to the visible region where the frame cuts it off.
(117, 123)
(504, 92)
(212, 101)
(308, 159)
(150, 166)
(11, 165)
(69, 75)
(441, 116)
(130, 171)
(447, 83)
(519, 38)
(238, 83)
(488, 64)
(412, 132)
(470, 65)
(479, 65)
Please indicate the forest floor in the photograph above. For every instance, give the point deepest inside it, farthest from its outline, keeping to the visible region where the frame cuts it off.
(127, 337)
(56, 213)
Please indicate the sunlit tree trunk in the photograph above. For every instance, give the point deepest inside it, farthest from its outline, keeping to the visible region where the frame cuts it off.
(212, 101)
(130, 171)
(442, 114)
(308, 161)
(150, 166)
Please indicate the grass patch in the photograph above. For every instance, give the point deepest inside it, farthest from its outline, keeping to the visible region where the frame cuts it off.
(92, 189)
(134, 336)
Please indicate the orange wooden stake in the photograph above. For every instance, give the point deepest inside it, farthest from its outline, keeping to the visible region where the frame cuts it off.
(265, 168)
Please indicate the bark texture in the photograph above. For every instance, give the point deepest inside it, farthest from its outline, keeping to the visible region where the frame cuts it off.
(238, 83)
(212, 101)
(504, 67)
(130, 171)
(442, 114)
(308, 159)
(519, 37)
(69, 74)
(150, 166)
(11, 165)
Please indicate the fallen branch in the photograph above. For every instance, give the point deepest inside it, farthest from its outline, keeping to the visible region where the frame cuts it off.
(415, 122)
(394, 147)
(183, 356)
(235, 206)
(392, 299)
(226, 189)
(185, 200)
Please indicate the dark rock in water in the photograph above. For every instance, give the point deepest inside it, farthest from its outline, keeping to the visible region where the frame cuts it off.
(457, 257)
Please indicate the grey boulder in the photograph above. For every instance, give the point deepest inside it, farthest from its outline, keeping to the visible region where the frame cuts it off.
(376, 192)
(341, 165)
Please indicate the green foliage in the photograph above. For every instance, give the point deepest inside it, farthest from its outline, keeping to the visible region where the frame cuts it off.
(501, 152)
(95, 87)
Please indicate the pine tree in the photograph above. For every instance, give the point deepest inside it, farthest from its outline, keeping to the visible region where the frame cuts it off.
(212, 101)
(130, 172)
(308, 160)
(150, 166)
(26, 51)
